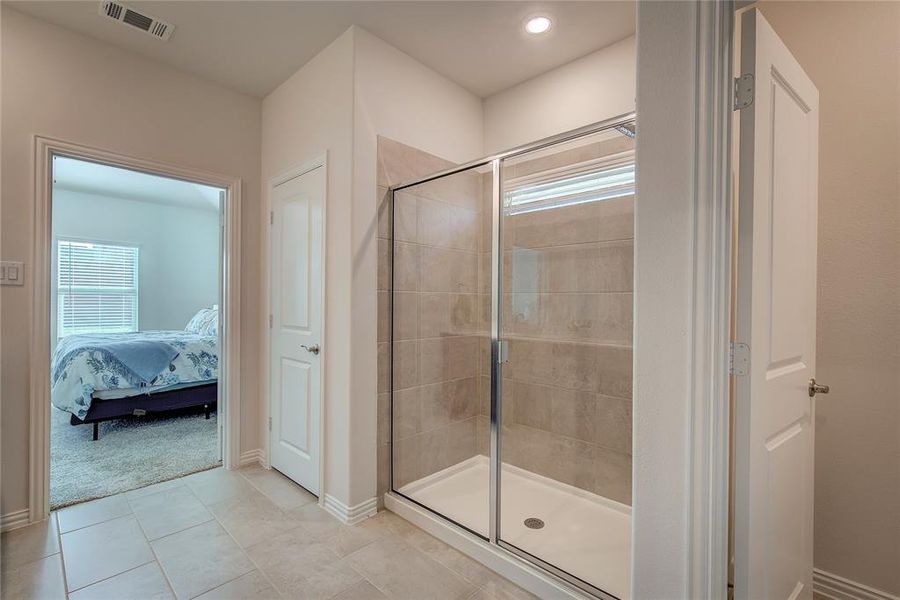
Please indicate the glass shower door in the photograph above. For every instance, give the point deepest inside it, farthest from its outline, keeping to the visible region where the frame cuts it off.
(441, 251)
(565, 316)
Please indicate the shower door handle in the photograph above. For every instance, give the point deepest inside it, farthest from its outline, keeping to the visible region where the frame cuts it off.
(502, 351)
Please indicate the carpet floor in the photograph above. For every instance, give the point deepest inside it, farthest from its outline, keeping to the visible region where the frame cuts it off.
(131, 453)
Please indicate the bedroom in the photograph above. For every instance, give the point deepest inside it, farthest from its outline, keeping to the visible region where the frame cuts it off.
(134, 329)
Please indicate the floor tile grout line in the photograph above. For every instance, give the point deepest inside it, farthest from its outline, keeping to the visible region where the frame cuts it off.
(162, 569)
(245, 553)
(105, 520)
(128, 570)
(144, 530)
(62, 557)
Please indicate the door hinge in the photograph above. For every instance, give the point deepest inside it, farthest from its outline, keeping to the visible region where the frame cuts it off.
(738, 358)
(270, 423)
(744, 89)
(271, 217)
(270, 321)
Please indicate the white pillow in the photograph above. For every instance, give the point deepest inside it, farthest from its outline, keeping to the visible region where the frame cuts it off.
(197, 321)
(210, 324)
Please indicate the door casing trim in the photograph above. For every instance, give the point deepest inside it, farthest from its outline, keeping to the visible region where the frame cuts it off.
(44, 149)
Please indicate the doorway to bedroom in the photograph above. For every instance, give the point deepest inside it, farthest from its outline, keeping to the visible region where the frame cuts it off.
(136, 282)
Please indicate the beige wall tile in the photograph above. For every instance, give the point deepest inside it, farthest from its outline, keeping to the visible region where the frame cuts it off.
(384, 316)
(434, 314)
(397, 162)
(406, 266)
(383, 200)
(384, 419)
(384, 367)
(600, 267)
(446, 270)
(612, 472)
(384, 264)
(406, 316)
(533, 403)
(406, 460)
(464, 313)
(406, 217)
(406, 364)
(578, 224)
(435, 408)
(407, 412)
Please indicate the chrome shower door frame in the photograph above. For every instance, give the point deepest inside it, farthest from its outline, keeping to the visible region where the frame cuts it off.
(497, 350)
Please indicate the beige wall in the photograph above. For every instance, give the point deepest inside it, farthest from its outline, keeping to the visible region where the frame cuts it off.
(851, 50)
(60, 84)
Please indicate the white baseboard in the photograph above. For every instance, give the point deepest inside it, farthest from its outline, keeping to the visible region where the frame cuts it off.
(350, 515)
(836, 587)
(14, 520)
(250, 457)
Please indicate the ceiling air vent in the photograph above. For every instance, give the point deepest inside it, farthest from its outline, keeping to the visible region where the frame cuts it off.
(146, 23)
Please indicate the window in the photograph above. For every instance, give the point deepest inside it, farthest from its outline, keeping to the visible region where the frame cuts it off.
(98, 288)
(591, 181)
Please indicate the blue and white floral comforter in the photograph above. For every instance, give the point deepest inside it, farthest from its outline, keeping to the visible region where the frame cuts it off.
(82, 366)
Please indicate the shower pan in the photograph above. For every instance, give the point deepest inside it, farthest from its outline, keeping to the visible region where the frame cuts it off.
(511, 328)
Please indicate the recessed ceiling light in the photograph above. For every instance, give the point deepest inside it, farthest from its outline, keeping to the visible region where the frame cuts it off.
(536, 25)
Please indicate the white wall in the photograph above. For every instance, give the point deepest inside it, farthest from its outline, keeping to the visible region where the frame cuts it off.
(590, 89)
(61, 84)
(400, 98)
(178, 250)
(309, 114)
(355, 89)
(663, 269)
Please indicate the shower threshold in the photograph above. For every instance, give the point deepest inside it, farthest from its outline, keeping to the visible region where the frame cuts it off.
(583, 534)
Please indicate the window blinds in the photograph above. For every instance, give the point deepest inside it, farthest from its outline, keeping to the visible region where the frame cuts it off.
(97, 287)
(591, 181)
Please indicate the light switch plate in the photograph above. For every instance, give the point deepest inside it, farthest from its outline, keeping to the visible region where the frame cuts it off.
(12, 273)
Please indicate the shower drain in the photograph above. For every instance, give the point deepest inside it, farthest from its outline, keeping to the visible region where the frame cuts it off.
(533, 523)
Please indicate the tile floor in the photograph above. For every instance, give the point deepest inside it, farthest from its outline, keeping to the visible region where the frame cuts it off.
(233, 534)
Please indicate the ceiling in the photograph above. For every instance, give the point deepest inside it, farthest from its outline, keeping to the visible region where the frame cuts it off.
(94, 178)
(253, 46)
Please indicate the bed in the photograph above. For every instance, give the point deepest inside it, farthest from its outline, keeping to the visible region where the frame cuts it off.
(105, 376)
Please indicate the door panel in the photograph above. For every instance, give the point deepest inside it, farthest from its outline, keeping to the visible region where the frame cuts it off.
(295, 272)
(776, 311)
(294, 425)
(296, 293)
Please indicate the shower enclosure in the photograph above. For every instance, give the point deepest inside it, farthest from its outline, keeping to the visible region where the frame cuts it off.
(511, 365)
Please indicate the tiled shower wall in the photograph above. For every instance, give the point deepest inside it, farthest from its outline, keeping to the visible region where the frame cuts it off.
(435, 350)
(567, 313)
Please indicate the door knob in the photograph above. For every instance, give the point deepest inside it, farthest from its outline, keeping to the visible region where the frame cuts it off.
(314, 349)
(817, 388)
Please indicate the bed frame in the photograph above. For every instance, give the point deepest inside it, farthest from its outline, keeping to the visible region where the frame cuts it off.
(145, 404)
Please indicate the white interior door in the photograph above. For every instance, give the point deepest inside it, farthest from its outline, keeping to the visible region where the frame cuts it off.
(296, 328)
(776, 317)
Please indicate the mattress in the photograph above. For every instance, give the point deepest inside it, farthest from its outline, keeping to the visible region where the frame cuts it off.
(85, 367)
